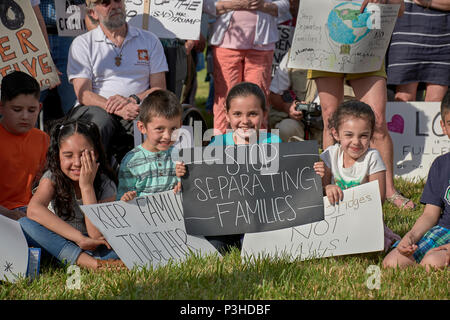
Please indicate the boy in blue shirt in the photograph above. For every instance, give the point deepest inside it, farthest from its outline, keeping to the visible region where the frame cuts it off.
(428, 242)
(149, 167)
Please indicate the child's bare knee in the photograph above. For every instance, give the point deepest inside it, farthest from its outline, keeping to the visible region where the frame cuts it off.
(434, 260)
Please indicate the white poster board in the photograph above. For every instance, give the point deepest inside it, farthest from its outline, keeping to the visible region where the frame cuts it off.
(332, 36)
(70, 18)
(148, 231)
(417, 136)
(176, 19)
(13, 250)
(22, 45)
(353, 226)
(135, 10)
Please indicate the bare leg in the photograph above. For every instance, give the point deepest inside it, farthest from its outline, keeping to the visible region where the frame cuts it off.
(86, 261)
(437, 258)
(406, 92)
(331, 94)
(435, 92)
(395, 259)
(372, 90)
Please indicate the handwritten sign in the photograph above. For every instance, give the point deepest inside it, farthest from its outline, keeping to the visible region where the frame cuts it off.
(333, 36)
(417, 136)
(148, 231)
(70, 18)
(22, 45)
(176, 18)
(136, 10)
(256, 188)
(13, 250)
(283, 45)
(353, 226)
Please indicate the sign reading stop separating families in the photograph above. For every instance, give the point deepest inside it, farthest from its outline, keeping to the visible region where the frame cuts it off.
(22, 45)
(251, 188)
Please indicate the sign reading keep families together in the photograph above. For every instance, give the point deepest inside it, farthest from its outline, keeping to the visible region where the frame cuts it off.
(147, 231)
(22, 45)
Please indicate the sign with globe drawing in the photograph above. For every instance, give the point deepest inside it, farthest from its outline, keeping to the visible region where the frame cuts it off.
(335, 36)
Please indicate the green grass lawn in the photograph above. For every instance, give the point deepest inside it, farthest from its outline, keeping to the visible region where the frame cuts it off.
(212, 278)
(231, 278)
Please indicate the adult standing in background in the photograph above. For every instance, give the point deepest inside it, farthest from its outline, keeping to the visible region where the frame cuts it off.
(59, 49)
(112, 68)
(243, 40)
(420, 50)
(369, 87)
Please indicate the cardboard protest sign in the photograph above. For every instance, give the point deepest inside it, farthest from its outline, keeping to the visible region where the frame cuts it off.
(137, 13)
(13, 250)
(353, 226)
(333, 36)
(22, 45)
(176, 18)
(148, 231)
(283, 45)
(70, 18)
(417, 136)
(251, 188)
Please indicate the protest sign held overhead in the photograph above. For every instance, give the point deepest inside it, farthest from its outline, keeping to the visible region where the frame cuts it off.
(334, 36)
(353, 226)
(417, 135)
(13, 250)
(147, 231)
(251, 188)
(176, 18)
(70, 18)
(22, 45)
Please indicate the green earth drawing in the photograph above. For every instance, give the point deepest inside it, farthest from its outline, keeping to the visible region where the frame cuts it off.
(346, 25)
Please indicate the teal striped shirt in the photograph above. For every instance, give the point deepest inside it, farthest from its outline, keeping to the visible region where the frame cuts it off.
(146, 172)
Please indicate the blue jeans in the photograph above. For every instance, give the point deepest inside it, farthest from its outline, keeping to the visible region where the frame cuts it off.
(62, 249)
(59, 48)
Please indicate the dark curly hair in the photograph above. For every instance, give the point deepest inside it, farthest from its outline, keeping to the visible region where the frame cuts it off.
(64, 191)
(352, 108)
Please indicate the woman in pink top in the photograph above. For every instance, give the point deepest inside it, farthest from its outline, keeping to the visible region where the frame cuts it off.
(243, 40)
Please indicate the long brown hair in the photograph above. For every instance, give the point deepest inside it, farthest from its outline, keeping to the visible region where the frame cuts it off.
(64, 190)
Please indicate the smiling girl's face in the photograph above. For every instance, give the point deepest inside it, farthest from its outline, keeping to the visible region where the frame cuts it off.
(354, 135)
(245, 116)
(70, 152)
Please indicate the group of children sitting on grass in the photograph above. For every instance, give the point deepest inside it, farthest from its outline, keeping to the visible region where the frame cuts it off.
(70, 168)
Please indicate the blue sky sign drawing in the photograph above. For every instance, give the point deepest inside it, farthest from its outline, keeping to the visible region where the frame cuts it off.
(337, 37)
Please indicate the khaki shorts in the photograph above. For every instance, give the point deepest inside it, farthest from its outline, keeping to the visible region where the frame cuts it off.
(312, 74)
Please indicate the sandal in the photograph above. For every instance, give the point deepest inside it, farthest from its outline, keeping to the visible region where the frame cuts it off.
(110, 265)
(398, 196)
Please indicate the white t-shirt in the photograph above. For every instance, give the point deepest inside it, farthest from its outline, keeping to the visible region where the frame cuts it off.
(92, 56)
(35, 2)
(357, 174)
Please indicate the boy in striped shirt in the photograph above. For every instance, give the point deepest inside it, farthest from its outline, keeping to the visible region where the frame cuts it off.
(149, 167)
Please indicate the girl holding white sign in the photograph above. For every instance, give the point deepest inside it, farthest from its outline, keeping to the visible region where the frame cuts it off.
(77, 173)
(350, 161)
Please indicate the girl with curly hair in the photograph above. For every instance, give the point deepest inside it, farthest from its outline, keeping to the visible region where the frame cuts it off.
(76, 173)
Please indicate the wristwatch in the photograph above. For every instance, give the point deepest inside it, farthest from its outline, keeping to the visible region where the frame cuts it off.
(135, 97)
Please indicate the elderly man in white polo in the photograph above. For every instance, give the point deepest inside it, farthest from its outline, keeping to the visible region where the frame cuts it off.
(112, 68)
